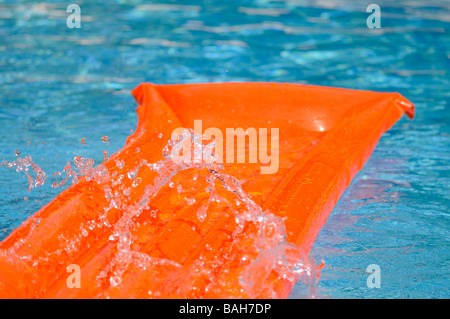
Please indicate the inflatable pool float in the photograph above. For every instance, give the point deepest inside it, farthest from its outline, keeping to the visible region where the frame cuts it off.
(141, 225)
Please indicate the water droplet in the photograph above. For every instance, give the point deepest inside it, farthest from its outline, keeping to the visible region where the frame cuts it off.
(132, 174)
(115, 281)
(201, 213)
(119, 163)
(136, 182)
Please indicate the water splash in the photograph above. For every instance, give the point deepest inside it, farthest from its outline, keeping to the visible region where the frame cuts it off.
(82, 167)
(23, 165)
(267, 251)
(256, 241)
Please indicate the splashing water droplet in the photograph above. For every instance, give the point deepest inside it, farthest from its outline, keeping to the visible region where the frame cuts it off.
(23, 165)
(201, 213)
(120, 163)
(132, 174)
(258, 250)
(136, 181)
(115, 281)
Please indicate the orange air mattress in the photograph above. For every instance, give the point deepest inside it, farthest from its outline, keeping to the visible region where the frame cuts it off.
(141, 225)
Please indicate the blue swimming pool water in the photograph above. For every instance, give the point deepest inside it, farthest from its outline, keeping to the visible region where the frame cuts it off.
(59, 85)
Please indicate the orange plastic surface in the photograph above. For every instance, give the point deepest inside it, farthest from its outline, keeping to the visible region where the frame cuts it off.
(325, 137)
